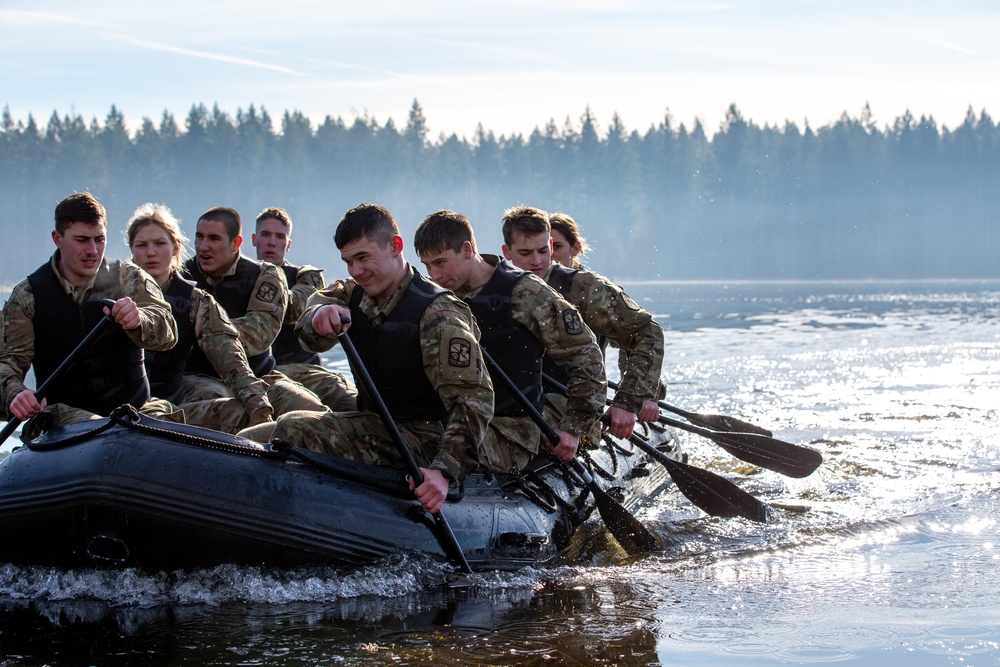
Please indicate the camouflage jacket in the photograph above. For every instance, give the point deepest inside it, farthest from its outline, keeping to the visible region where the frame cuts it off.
(308, 281)
(556, 323)
(219, 339)
(156, 331)
(465, 389)
(607, 310)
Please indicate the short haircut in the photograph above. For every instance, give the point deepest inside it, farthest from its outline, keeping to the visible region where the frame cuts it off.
(367, 220)
(444, 230)
(79, 207)
(161, 215)
(524, 220)
(229, 218)
(279, 214)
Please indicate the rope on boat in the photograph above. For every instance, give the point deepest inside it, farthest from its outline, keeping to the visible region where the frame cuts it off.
(129, 417)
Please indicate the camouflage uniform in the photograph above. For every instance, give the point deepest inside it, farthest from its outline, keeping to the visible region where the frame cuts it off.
(511, 442)
(156, 330)
(608, 311)
(333, 389)
(462, 384)
(219, 340)
(257, 329)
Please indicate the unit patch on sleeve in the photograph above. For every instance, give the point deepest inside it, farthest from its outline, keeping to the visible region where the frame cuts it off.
(571, 319)
(459, 352)
(267, 292)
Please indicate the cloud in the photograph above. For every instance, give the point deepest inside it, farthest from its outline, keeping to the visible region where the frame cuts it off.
(205, 55)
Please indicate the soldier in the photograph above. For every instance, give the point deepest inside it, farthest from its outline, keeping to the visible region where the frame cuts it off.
(605, 308)
(420, 345)
(568, 246)
(522, 319)
(50, 313)
(157, 244)
(254, 295)
(273, 239)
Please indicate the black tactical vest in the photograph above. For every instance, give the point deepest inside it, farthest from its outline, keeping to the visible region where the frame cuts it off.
(391, 353)
(233, 294)
(510, 344)
(108, 374)
(286, 348)
(166, 369)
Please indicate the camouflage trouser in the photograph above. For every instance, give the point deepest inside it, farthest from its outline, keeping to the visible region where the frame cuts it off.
(509, 444)
(359, 436)
(208, 402)
(333, 389)
(555, 409)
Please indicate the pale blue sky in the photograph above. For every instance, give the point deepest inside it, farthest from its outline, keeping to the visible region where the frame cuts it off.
(510, 64)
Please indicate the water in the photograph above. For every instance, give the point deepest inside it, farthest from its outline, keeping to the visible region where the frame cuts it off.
(892, 562)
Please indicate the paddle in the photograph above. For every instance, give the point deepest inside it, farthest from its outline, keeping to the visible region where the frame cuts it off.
(57, 374)
(761, 450)
(714, 422)
(446, 538)
(631, 535)
(710, 492)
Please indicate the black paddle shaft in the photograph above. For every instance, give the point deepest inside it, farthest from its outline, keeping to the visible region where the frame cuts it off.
(67, 363)
(634, 538)
(445, 535)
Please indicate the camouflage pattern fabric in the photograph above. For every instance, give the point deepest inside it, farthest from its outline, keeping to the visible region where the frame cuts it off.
(609, 311)
(156, 331)
(511, 441)
(463, 384)
(333, 389)
(208, 402)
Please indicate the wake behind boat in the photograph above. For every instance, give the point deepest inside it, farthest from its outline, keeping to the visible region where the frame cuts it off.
(133, 491)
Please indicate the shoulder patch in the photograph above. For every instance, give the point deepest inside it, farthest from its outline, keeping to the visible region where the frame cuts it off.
(627, 300)
(571, 319)
(459, 353)
(152, 289)
(266, 292)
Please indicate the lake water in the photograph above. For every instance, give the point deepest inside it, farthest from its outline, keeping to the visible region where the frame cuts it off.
(887, 555)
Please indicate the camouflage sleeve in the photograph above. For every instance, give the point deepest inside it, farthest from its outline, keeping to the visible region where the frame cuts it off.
(454, 366)
(219, 339)
(339, 294)
(265, 312)
(609, 311)
(557, 324)
(18, 343)
(308, 281)
(157, 329)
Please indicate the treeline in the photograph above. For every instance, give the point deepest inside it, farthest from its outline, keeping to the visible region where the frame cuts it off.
(851, 199)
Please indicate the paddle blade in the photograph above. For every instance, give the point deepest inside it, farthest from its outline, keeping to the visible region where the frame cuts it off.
(725, 423)
(777, 455)
(715, 495)
(634, 538)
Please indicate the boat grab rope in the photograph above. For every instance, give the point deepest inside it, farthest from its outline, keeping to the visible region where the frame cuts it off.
(129, 417)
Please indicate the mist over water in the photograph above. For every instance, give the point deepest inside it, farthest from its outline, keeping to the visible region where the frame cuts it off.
(885, 555)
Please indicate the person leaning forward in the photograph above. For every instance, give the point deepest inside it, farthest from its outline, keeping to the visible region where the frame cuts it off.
(605, 308)
(53, 310)
(522, 319)
(420, 345)
(272, 240)
(254, 295)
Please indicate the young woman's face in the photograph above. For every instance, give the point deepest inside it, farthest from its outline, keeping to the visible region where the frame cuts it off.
(154, 252)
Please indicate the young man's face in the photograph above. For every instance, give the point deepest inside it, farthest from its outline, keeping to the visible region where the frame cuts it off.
(375, 267)
(530, 253)
(448, 268)
(271, 241)
(215, 251)
(81, 250)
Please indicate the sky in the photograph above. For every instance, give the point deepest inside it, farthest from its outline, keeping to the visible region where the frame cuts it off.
(510, 65)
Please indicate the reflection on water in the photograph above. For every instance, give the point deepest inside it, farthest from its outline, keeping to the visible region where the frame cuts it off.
(894, 559)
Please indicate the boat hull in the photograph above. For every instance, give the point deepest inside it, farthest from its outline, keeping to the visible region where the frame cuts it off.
(163, 496)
